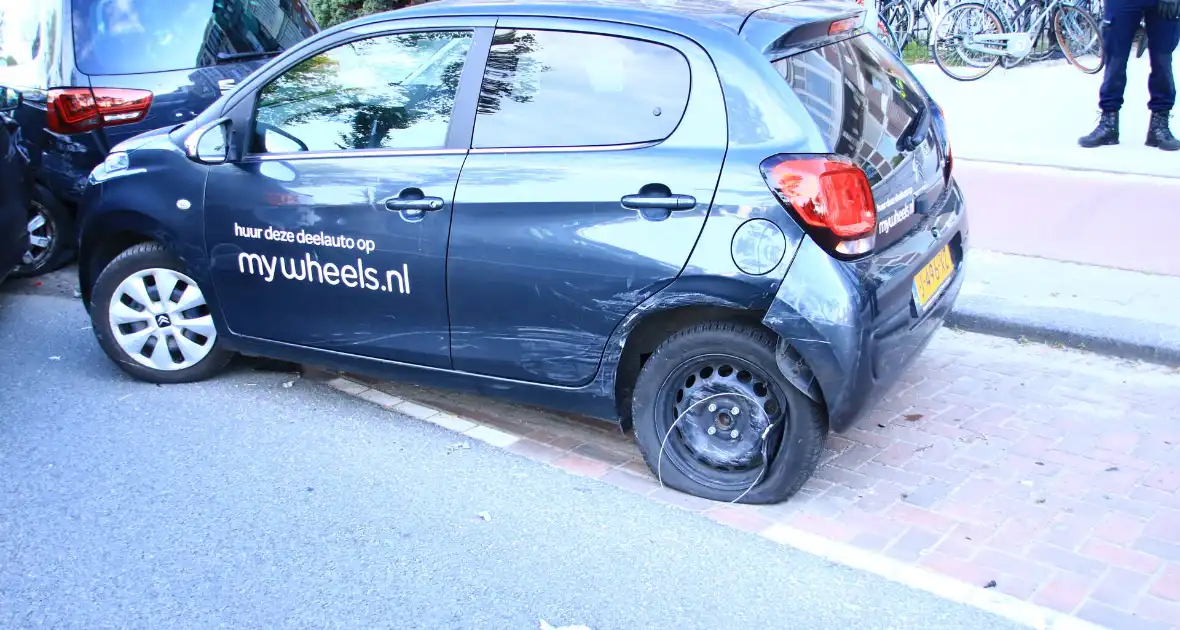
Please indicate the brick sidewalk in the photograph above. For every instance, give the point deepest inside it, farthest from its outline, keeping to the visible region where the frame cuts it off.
(1055, 474)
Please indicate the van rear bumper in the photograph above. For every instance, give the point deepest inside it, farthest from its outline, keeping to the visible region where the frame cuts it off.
(849, 330)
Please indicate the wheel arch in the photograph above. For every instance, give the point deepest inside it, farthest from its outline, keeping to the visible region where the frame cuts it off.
(103, 240)
(654, 327)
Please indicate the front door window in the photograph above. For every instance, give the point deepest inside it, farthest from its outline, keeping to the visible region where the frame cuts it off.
(389, 92)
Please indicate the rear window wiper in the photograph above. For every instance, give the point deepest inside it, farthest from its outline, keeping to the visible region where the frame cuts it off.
(225, 57)
(915, 132)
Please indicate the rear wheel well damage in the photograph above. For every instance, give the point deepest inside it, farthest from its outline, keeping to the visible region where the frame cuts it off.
(656, 328)
(795, 369)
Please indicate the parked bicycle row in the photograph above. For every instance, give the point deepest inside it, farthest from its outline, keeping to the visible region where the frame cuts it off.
(967, 39)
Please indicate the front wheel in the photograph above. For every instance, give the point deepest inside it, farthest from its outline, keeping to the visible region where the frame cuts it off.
(1080, 38)
(714, 417)
(952, 38)
(152, 319)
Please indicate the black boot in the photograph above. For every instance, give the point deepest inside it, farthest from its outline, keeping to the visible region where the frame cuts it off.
(1107, 132)
(1159, 135)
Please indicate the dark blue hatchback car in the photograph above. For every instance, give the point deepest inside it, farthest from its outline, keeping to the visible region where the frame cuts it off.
(93, 73)
(731, 225)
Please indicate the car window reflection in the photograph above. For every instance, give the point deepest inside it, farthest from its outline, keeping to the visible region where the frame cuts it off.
(390, 92)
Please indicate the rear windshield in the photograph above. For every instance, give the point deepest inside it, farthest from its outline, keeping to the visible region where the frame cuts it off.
(134, 36)
(861, 97)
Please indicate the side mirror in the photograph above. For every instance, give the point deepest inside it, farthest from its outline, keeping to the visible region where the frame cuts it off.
(209, 144)
(10, 99)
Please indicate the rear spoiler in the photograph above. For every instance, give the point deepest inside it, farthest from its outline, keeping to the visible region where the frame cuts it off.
(801, 25)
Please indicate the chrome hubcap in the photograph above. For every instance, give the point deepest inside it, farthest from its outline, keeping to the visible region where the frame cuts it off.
(41, 235)
(161, 320)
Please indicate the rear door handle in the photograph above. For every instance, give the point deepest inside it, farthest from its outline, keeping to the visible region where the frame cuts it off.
(424, 204)
(667, 202)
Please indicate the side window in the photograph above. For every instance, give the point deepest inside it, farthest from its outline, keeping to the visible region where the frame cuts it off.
(388, 92)
(561, 89)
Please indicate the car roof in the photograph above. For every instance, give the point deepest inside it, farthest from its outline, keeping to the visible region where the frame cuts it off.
(730, 14)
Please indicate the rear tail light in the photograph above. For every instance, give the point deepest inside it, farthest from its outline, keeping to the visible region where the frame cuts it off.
(74, 110)
(830, 195)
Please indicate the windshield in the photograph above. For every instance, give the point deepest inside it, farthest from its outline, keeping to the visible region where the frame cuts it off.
(134, 36)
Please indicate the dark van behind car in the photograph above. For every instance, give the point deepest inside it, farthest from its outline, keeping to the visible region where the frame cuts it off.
(93, 73)
(730, 224)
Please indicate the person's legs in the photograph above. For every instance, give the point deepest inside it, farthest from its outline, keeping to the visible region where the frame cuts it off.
(1162, 36)
(1118, 35)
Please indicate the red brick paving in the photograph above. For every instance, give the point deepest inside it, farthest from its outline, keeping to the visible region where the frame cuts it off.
(1055, 474)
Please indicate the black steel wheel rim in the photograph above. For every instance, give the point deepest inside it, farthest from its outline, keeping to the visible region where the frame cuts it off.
(720, 419)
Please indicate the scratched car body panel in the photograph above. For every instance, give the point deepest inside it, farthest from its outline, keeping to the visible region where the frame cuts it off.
(561, 204)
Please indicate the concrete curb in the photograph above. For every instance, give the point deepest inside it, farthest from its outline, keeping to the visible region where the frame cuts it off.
(918, 578)
(1123, 337)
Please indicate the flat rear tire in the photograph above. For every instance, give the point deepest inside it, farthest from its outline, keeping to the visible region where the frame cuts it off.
(715, 418)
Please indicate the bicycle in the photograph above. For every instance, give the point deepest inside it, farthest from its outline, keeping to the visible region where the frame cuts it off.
(884, 33)
(975, 34)
(900, 17)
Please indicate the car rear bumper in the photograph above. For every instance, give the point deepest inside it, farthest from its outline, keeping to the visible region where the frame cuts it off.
(849, 330)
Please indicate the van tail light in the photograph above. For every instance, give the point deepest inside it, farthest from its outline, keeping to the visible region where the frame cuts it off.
(75, 110)
(830, 196)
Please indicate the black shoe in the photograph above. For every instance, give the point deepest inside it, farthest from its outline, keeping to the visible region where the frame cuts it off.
(1106, 133)
(1159, 135)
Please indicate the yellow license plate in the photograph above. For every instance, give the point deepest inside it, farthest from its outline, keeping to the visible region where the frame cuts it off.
(929, 279)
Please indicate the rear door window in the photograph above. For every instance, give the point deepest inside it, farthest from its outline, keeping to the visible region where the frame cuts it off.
(135, 36)
(563, 89)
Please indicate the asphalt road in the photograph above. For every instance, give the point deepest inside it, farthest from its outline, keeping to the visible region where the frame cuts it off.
(242, 503)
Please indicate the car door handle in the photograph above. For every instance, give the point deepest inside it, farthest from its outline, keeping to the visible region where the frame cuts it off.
(425, 204)
(666, 202)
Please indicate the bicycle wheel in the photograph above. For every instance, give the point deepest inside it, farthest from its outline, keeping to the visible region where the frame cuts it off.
(899, 16)
(952, 35)
(1044, 44)
(885, 34)
(1080, 39)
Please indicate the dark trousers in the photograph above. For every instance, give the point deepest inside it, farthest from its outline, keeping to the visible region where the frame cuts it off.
(1118, 34)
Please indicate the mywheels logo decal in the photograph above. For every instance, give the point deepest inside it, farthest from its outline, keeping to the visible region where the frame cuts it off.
(308, 269)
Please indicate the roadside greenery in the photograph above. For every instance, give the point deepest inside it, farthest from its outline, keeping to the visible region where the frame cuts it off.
(332, 12)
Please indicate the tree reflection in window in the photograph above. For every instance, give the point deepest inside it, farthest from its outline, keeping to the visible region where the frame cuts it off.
(390, 92)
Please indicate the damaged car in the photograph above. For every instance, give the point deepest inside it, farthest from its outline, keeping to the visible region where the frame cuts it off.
(729, 225)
